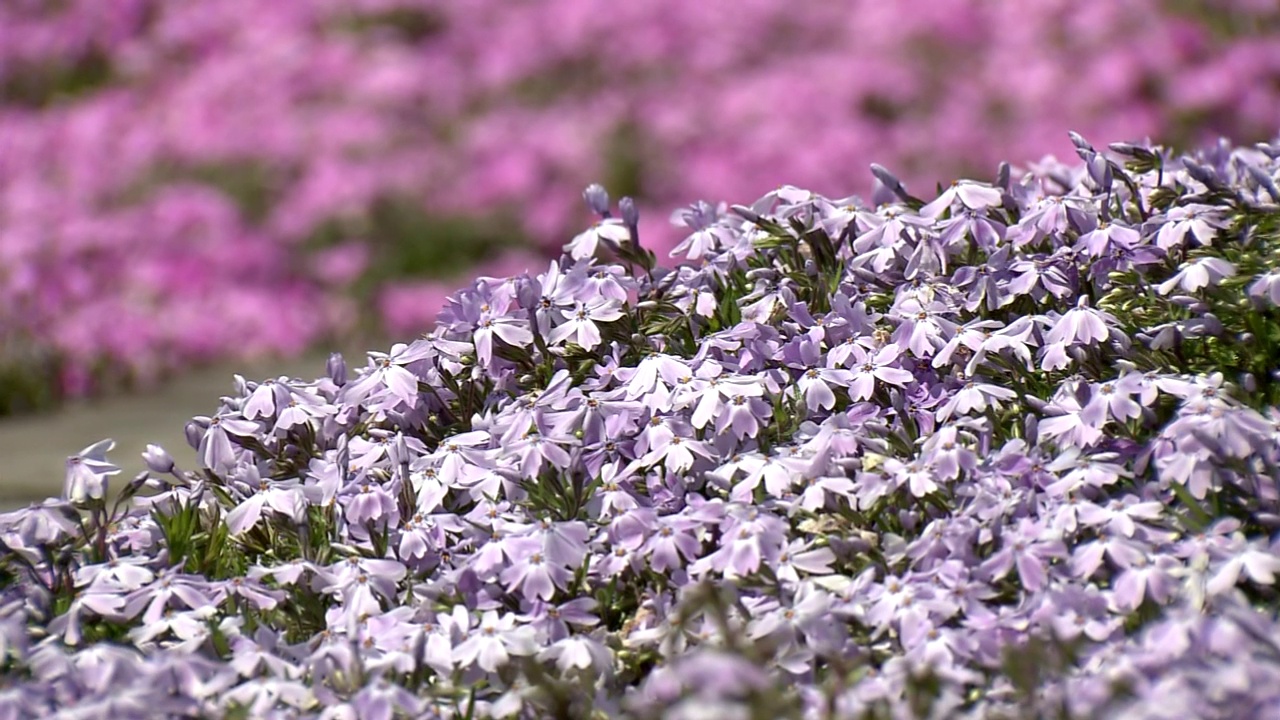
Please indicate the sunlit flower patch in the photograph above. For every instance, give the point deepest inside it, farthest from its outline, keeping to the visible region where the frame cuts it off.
(1010, 453)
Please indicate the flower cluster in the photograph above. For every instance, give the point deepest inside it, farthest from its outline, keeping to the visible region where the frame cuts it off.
(179, 183)
(1010, 453)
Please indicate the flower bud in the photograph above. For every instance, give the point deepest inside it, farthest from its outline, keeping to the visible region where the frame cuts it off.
(342, 456)
(746, 213)
(597, 199)
(158, 460)
(1078, 140)
(1100, 172)
(909, 519)
(1002, 176)
(1268, 520)
(1129, 150)
(195, 430)
(336, 368)
(1264, 180)
(1200, 173)
(527, 292)
(630, 215)
(888, 179)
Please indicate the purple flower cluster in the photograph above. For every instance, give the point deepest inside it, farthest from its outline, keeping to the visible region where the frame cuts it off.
(180, 182)
(1012, 452)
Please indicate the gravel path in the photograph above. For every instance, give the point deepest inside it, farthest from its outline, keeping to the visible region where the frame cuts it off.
(34, 449)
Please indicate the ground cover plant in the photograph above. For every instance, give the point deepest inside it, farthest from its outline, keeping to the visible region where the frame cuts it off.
(180, 184)
(1011, 452)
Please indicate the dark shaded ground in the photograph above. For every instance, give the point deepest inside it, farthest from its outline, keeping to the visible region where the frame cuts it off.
(34, 449)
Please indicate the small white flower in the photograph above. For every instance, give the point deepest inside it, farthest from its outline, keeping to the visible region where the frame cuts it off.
(1198, 274)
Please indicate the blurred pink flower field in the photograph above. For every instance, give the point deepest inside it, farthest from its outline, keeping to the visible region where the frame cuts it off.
(181, 182)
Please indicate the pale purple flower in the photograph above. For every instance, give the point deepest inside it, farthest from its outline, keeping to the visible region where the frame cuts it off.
(461, 457)
(1029, 547)
(606, 231)
(720, 391)
(1052, 215)
(1069, 426)
(265, 400)
(119, 573)
(742, 415)
(364, 583)
(1040, 277)
(1267, 287)
(806, 617)
(985, 284)
(918, 476)
(677, 453)
(779, 472)
(1112, 400)
(973, 397)
(190, 628)
(1197, 274)
(696, 301)
(1081, 325)
(494, 323)
(971, 195)
(368, 502)
(948, 452)
(171, 586)
(387, 373)
(491, 644)
(985, 230)
(867, 368)
(902, 603)
(1201, 222)
(300, 409)
(673, 543)
(534, 450)
(924, 326)
(579, 653)
(251, 591)
(535, 576)
(799, 556)
(107, 602)
(556, 622)
(282, 496)
(216, 450)
(87, 473)
(1108, 237)
(554, 292)
(816, 492)
(579, 324)
(1260, 565)
(815, 382)
(1145, 578)
(702, 243)
(504, 543)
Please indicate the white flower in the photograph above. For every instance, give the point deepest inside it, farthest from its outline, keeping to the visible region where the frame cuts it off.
(1197, 274)
(584, 245)
(87, 473)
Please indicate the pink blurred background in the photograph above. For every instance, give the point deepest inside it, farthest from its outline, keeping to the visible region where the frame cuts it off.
(182, 183)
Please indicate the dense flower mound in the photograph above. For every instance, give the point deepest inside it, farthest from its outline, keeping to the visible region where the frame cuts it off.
(1012, 452)
(182, 181)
